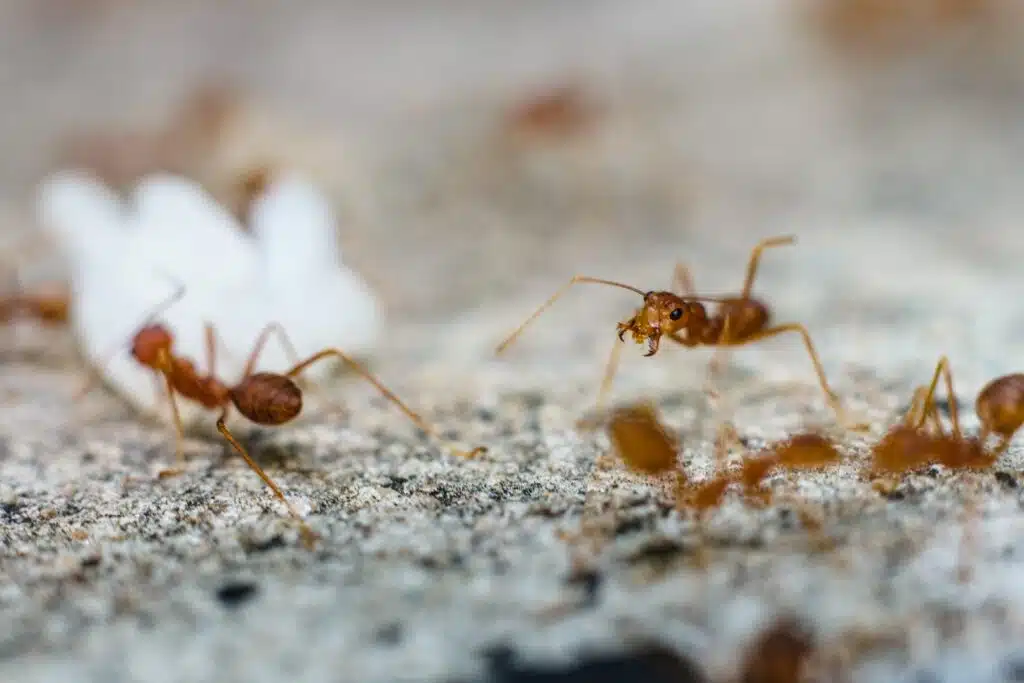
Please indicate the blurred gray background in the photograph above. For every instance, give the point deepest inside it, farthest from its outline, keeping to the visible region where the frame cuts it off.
(887, 136)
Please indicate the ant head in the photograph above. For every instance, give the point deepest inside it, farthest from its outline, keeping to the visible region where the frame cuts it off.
(662, 313)
(150, 342)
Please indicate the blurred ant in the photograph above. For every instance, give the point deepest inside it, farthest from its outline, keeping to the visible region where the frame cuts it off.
(780, 653)
(265, 398)
(557, 112)
(803, 451)
(643, 443)
(909, 445)
(50, 306)
(684, 319)
(646, 446)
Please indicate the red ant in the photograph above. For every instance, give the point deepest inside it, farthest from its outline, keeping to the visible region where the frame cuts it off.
(684, 319)
(1000, 409)
(907, 446)
(807, 450)
(50, 306)
(265, 398)
(641, 440)
(645, 445)
(556, 112)
(779, 654)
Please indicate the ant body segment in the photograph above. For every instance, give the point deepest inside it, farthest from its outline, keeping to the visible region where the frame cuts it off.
(684, 319)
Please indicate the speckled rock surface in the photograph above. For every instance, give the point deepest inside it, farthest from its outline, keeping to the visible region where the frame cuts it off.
(905, 204)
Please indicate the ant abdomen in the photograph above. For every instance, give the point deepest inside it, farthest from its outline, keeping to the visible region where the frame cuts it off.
(1000, 405)
(746, 317)
(267, 398)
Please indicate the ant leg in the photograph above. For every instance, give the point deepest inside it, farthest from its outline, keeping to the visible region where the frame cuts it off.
(611, 368)
(307, 534)
(682, 281)
(609, 374)
(755, 260)
(388, 394)
(831, 396)
(554, 297)
(179, 432)
(917, 413)
(1002, 446)
(261, 341)
(722, 349)
(211, 349)
(942, 368)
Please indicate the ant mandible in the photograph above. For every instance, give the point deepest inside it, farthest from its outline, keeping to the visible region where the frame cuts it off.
(684, 319)
(265, 398)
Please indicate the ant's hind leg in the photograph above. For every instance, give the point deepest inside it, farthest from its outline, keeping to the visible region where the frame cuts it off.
(388, 394)
(831, 397)
(682, 281)
(179, 432)
(611, 368)
(755, 260)
(308, 535)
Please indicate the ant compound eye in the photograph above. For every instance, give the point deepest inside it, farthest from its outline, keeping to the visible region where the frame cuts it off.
(676, 314)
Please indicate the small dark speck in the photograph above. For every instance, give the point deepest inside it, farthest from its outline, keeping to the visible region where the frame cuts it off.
(589, 581)
(1014, 669)
(673, 401)
(532, 400)
(653, 664)
(486, 415)
(658, 549)
(1006, 479)
(90, 561)
(235, 593)
(895, 495)
(944, 406)
(389, 634)
(933, 472)
(88, 458)
(272, 543)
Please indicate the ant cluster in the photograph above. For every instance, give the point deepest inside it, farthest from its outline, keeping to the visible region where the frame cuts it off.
(647, 447)
(637, 434)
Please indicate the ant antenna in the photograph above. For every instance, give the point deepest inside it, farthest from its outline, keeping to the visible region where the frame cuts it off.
(564, 288)
(174, 298)
(554, 297)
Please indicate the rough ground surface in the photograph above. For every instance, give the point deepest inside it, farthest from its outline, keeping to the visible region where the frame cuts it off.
(725, 128)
